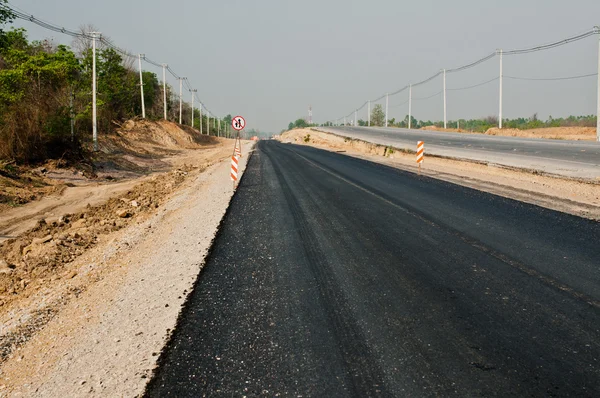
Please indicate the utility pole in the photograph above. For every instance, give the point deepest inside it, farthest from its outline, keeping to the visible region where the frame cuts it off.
(193, 95)
(500, 99)
(94, 112)
(180, 98)
(142, 87)
(200, 109)
(409, 106)
(597, 29)
(387, 97)
(369, 114)
(445, 119)
(208, 123)
(219, 128)
(165, 66)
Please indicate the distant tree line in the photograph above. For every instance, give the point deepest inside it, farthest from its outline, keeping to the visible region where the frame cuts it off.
(476, 125)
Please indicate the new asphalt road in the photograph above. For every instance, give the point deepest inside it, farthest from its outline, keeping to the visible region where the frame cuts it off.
(569, 158)
(337, 277)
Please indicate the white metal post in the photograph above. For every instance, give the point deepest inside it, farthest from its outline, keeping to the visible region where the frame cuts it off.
(193, 92)
(445, 119)
(598, 104)
(500, 99)
(142, 87)
(180, 98)
(387, 97)
(409, 106)
(165, 89)
(369, 114)
(94, 112)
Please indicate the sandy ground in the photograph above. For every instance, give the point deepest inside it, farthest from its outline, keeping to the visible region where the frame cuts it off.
(96, 327)
(553, 133)
(72, 199)
(581, 198)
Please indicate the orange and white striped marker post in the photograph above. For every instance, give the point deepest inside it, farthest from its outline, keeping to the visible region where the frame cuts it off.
(420, 153)
(234, 170)
(238, 150)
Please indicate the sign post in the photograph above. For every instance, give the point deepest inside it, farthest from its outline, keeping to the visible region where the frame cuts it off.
(238, 123)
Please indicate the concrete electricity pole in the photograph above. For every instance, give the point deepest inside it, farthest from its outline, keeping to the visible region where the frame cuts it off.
(200, 109)
(410, 106)
(219, 128)
(500, 99)
(165, 66)
(387, 97)
(445, 118)
(193, 95)
(369, 114)
(180, 98)
(597, 29)
(142, 87)
(208, 123)
(95, 35)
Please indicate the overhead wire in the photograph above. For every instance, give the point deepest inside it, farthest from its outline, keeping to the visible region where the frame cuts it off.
(551, 78)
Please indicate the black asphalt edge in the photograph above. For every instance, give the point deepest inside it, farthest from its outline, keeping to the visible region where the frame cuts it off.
(184, 306)
(500, 166)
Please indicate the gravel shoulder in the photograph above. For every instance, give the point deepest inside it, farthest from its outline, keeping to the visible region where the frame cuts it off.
(569, 195)
(98, 330)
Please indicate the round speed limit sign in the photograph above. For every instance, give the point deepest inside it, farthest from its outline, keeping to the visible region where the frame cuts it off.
(238, 123)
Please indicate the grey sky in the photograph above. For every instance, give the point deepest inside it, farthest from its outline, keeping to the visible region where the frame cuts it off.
(269, 59)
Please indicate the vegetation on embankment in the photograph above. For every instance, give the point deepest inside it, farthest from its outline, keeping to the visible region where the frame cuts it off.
(46, 96)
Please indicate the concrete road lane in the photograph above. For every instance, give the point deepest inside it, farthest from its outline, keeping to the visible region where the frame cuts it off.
(570, 158)
(336, 277)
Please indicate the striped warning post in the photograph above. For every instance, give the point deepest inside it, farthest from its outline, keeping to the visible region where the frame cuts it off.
(238, 151)
(234, 168)
(420, 152)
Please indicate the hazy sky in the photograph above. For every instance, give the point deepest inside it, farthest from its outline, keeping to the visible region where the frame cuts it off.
(269, 59)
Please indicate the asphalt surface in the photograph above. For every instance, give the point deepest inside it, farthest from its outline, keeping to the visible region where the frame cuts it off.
(336, 277)
(570, 158)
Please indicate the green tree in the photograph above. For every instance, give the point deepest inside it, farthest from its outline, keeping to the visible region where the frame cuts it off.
(300, 123)
(377, 116)
(35, 87)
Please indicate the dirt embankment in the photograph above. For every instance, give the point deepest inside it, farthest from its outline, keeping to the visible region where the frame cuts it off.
(136, 151)
(139, 147)
(581, 198)
(552, 133)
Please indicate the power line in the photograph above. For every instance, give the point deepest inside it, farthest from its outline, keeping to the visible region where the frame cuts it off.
(426, 98)
(551, 78)
(581, 36)
(568, 40)
(473, 86)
